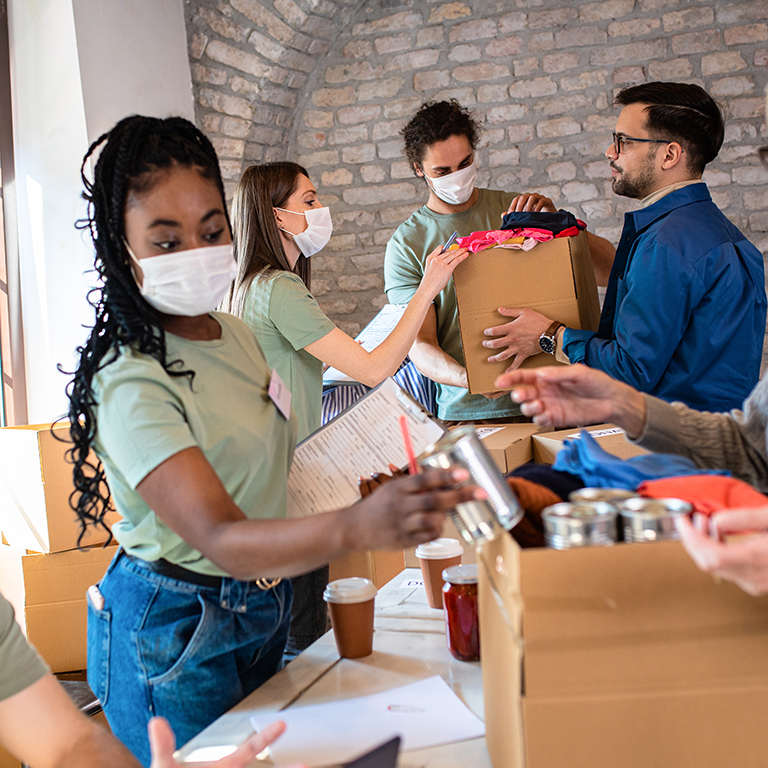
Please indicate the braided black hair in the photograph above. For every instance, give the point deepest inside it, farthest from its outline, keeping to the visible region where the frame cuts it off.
(133, 152)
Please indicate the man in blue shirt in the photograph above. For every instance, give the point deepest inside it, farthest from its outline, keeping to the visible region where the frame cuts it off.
(684, 313)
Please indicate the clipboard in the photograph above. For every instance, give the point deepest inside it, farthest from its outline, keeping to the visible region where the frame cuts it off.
(383, 756)
(362, 439)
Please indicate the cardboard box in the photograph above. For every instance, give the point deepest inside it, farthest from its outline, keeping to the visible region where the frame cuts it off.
(35, 485)
(625, 656)
(611, 438)
(509, 446)
(555, 278)
(378, 566)
(47, 592)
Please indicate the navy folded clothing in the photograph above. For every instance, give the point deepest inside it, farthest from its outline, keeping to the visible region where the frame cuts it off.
(552, 222)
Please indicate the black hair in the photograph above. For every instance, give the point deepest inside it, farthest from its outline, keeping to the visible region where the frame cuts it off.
(133, 152)
(681, 112)
(437, 121)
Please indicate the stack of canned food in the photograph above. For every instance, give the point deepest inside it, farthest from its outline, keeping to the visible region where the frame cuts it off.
(602, 516)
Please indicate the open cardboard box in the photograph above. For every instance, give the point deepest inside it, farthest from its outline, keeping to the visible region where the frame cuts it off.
(47, 592)
(35, 485)
(619, 657)
(555, 278)
(546, 445)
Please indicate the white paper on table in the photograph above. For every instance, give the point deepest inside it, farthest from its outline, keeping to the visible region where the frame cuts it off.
(364, 438)
(369, 338)
(424, 714)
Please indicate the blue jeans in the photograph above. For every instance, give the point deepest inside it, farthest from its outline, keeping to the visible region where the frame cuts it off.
(166, 647)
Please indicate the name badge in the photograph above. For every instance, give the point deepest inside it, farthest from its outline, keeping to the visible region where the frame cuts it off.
(280, 394)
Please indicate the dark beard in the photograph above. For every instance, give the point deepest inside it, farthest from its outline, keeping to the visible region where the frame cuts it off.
(637, 186)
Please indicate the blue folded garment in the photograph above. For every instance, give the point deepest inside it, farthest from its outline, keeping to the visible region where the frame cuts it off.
(599, 469)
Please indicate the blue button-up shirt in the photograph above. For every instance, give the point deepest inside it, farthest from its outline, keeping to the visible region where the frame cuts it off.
(684, 312)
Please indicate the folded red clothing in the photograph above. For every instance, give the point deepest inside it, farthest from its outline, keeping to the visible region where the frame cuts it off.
(707, 493)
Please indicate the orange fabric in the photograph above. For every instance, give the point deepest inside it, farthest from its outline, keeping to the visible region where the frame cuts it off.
(529, 532)
(707, 493)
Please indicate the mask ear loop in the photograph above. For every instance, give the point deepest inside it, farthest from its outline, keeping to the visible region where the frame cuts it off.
(133, 264)
(285, 210)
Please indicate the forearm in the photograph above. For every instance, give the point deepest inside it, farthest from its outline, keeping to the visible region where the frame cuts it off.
(96, 748)
(432, 362)
(629, 410)
(252, 549)
(387, 357)
(710, 440)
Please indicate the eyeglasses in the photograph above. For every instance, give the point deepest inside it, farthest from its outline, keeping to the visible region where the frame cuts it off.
(619, 142)
(762, 153)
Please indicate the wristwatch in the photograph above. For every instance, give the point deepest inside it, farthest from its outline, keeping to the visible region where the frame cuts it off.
(548, 339)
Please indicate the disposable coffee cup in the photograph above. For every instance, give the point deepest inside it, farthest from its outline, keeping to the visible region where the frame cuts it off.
(434, 557)
(350, 603)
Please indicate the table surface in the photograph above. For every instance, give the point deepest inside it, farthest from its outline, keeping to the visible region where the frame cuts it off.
(408, 645)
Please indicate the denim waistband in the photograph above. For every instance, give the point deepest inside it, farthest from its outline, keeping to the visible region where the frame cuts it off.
(178, 572)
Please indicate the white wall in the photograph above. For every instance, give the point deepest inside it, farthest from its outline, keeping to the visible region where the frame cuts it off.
(77, 66)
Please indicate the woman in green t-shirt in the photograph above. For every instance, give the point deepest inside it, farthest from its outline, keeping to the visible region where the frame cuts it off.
(279, 224)
(193, 612)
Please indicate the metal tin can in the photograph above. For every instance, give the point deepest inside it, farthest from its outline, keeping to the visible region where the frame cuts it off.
(477, 521)
(462, 623)
(609, 495)
(583, 524)
(652, 519)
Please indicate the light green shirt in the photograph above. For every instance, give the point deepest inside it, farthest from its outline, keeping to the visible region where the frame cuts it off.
(20, 666)
(144, 416)
(406, 254)
(286, 318)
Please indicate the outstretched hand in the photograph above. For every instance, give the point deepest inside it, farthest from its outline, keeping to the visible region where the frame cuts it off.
(162, 743)
(572, 395)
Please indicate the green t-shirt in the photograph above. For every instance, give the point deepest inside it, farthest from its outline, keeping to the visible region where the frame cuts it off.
(286, 318)
(144, 416)
(20, 666)
(407, 251)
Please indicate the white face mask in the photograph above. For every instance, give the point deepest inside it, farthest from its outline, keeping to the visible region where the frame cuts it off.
(318, 232)
(188, 283)
(455, 188)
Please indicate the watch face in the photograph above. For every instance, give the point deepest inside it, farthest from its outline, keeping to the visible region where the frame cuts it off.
(547, 344)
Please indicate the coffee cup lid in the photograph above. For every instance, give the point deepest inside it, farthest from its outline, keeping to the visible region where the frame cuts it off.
(352, 590)
(439, 549)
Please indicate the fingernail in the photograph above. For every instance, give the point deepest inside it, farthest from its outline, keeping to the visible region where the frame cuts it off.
(460, 475)
(480, 494)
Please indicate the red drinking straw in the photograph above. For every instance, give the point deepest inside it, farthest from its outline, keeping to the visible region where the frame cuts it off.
(408, 443)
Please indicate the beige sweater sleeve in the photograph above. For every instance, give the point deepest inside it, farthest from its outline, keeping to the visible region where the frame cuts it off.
(734, 441)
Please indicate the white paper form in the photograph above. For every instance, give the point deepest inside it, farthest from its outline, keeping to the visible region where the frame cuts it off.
(363, 439)
(369, 338)
(425, 714)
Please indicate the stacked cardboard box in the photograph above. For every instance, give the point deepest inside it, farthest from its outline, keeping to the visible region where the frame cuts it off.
(42, 573)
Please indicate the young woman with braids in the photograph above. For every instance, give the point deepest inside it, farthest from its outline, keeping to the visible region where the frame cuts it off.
(279, 224)
(193, 612)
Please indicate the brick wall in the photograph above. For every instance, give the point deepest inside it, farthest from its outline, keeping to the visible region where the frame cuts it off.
(331, 82)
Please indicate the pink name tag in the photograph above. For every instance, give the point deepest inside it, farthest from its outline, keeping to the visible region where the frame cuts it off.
(280, 394)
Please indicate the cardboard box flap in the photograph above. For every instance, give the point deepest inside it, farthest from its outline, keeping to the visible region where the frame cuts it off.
(585, 282)
(610, 437)
(609, 619)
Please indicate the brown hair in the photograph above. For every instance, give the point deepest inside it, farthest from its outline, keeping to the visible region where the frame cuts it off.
(258, 246)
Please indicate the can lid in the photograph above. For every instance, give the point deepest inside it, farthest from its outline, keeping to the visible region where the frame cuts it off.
(439, 549)
(461, 574)
(352, 590)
